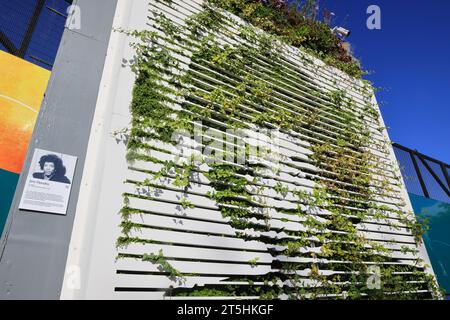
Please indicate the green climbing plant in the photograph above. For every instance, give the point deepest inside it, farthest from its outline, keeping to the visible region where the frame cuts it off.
(240, 79)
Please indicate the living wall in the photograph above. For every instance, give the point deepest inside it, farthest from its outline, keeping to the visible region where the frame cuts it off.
(320, 207)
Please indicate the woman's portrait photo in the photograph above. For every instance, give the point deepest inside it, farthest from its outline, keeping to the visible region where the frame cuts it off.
(52, 168)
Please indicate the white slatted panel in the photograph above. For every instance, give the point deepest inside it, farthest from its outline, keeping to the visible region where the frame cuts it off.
(199, 242)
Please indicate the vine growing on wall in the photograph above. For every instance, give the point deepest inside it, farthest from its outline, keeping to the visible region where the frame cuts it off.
(238, 77)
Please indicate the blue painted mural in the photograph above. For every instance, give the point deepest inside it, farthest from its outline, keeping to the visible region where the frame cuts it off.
(30, 30)
(437, 239)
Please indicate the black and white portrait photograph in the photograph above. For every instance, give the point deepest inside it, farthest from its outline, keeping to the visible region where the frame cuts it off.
(49, 182)
(51, 168)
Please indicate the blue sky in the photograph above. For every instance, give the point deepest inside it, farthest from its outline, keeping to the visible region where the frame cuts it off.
(410, 60)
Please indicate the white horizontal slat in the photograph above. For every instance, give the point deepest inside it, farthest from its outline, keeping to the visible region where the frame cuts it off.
(128, 264)
(197, 239)
(168, 195)
(139, 295)
(156, 281)
(184, 252)
(175, 210)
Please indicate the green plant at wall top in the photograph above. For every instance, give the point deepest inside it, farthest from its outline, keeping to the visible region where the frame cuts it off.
(240, 79)
(296, 24)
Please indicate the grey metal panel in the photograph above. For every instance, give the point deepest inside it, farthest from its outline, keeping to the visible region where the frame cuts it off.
(92, 17)
(34, 246)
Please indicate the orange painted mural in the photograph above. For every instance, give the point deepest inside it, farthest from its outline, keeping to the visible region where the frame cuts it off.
(22, 87)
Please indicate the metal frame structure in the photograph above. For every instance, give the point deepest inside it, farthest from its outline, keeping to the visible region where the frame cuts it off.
(416, 158)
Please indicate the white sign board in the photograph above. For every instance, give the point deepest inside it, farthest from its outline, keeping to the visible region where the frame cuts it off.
(49, 182)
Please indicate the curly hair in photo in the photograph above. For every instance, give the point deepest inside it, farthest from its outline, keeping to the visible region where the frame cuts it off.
(60, 170)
